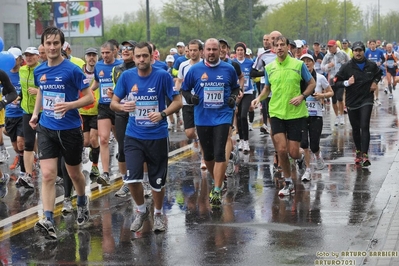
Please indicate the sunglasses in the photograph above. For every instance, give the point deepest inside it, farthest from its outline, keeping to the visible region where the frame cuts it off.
(129, 48)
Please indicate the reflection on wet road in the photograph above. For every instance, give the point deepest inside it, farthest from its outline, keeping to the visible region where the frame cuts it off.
(333, 212)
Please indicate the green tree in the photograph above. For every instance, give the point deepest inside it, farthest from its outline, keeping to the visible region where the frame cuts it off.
(325, 19)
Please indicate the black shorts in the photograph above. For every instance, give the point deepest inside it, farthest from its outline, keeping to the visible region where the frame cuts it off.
(154, 153)
(338, 94)
(29, 132)
(293, 128)
(213, 141)
(391, 71)
(67, 142)
(89, 122)
(14, 128)
(105, 112)
(188, 116)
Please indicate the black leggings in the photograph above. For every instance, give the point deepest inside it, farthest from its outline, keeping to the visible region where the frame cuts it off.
(312, 133)
(360, 122)
(213, 141)
(120, 129)
(264, 103)
(242, 115)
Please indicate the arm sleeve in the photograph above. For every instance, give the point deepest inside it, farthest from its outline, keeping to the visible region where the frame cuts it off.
(9, 91)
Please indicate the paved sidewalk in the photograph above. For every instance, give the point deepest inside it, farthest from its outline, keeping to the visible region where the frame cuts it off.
(386, 235)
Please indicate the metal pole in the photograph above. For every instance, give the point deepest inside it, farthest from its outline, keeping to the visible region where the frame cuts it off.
(379, 23)
(307, 23)
(69, 22)
(250, 23)
(148, 20)
(345, 20)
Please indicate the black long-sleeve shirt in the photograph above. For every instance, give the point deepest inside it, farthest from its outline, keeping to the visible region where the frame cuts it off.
(358, 94)
(9, 92)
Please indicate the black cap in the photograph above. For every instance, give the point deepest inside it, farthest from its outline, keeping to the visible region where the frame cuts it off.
(131, 42)
(91, 50)
(223, 40)
(358, 45)
(345, 41)
(316, 42)
(292, 43)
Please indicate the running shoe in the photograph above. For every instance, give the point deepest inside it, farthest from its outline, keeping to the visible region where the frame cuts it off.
(123, 191)
(240, 144)
(15, 163)
(147, 189)
(288, 189)
(264, 129)
(301, 162)
(336, 121)
(230, 168)
(25, 180)
(83, 213)
(46, 228)
(159, 223)
(365, 161)
(4, 155)
(358, 159)
(306, 175)
(67, 205)
(390, 96)
(386, 90)
(319, 161)
(94, 173)
(215, 198)
(104, 180)
(377, 102)
(245, 146)
(3, 185)
(138, 222)
(59, 181)
(341, 120)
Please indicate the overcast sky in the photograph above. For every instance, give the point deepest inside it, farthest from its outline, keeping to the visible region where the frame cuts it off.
(118, 7)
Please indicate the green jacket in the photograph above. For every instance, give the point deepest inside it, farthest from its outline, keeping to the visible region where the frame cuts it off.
(27, 80)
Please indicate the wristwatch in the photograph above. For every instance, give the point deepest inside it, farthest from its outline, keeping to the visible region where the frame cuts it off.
(163, 115)
(304, 96)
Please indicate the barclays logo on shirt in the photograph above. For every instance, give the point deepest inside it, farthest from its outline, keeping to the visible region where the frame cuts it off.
(52, 87)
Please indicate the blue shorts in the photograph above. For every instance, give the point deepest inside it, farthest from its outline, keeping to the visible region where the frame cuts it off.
(154, 153)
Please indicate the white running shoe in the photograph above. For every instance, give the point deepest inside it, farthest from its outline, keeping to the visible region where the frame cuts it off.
(306, 175)
(246, 146)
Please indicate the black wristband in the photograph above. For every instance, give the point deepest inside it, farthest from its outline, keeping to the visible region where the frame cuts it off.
(304, 96)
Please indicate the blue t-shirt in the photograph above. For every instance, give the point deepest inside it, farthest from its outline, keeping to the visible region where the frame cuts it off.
(213, 85)
(150, 93)
(159, 64)
(14, 110)
(246, 67)
(103, 75)
(64, 81)
(375, 56)
(178, 61)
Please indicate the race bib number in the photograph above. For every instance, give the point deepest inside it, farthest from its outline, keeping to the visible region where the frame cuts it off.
(143, 108)
(390, 63)
(104, 89)
(246, 83)
(213, 97)
(49, 100)
(311, 104)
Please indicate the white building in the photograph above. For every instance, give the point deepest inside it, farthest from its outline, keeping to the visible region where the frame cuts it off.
(14, 23)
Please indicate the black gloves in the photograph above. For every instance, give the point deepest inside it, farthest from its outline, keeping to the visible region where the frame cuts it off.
(231, 101)
(195, 99)
(2, 105)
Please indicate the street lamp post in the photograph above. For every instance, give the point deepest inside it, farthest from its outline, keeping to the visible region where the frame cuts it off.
(148, 20)
(345, 20)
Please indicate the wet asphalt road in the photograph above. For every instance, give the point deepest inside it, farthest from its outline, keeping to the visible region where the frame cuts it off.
(334, 212)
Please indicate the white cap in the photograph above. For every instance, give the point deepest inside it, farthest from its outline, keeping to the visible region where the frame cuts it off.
(248, 52)
(173, 50)
(309, 56)
(298, 43)
(15, 52)
(66, 46)
(180, 44)
(170, 58)
(31, 50)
